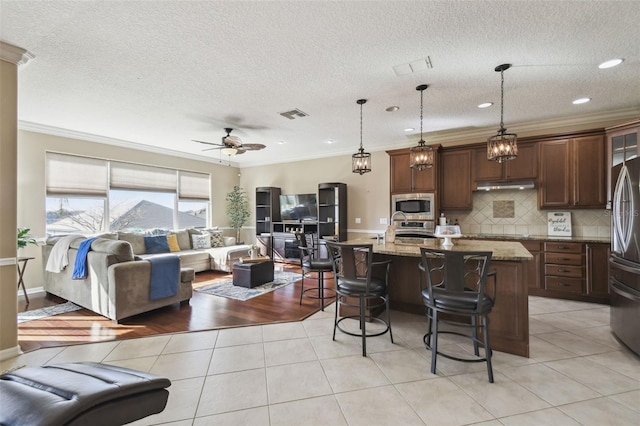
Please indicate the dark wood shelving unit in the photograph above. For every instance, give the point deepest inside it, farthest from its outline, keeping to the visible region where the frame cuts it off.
(332, 211)
(267, 212)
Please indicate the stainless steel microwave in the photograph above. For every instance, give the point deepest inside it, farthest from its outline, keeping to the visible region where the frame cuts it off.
(417, 206)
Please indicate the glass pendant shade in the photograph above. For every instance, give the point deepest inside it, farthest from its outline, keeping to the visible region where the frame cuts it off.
(228, 151)
(421, 155)
(361, 161)
(503, 146)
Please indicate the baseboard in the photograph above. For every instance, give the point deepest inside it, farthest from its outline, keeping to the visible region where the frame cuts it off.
(10, 353)
(30, 291)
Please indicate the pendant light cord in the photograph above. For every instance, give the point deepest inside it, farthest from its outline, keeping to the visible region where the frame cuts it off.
(502, 129)
(361, 149)
(421, 141)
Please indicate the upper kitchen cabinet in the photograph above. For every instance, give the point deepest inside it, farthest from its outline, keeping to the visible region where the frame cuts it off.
(525, 166)
(455, 188)
(572, 173)
(404, 179)
(622, 145)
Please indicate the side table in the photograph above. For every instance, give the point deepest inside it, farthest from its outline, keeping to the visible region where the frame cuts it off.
(23, 261)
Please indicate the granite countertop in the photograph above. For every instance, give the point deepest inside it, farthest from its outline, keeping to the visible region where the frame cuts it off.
(513, 237)
(502, 250)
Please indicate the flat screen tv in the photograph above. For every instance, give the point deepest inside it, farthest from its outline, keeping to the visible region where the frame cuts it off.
(298, 207)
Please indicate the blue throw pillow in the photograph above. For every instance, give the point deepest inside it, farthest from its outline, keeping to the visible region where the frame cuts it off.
(156, 244)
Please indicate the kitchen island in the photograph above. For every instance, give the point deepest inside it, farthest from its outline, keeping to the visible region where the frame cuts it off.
(509, 319)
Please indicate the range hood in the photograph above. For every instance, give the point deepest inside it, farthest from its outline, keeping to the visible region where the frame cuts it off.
(520, 184)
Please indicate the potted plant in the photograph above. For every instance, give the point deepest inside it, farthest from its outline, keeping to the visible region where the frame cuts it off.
(238, 209)
(25, 238)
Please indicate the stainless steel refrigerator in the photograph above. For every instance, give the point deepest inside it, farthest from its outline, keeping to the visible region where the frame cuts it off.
(624, 263)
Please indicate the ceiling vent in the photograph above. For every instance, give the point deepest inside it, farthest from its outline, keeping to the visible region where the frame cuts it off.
(293, 114)
(415, 66)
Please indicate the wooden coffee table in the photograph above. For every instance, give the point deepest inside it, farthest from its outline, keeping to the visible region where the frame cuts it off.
(252, 274)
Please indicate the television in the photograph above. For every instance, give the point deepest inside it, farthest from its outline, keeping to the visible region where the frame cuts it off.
(298, 207)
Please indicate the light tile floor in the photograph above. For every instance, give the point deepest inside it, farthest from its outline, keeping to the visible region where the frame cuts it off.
(294, 374)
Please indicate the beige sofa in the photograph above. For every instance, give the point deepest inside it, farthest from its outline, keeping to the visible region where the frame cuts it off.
(117, 285)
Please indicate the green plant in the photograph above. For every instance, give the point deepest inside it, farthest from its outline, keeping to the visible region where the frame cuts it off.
(24, 238)
(238, 209)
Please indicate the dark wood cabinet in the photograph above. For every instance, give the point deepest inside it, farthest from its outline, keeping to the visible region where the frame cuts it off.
(572, 173)
(525, 166)
(622, 145)
(534, 265)
(332, 211)
(404, 179)
(455, 183)
(597, 257)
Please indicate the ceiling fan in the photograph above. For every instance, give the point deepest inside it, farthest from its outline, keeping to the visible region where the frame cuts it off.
(232, 145)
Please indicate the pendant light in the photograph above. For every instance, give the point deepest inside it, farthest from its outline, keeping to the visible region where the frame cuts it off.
(361, 161)
(502, 146)
(421, 155)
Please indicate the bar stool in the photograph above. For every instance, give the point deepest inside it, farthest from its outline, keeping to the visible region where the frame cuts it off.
(310, 262)
(352, 268)
(456, 285)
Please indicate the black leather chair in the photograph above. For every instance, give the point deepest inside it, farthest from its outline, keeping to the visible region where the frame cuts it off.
(353, 268)
(456, 285)
(311, 262)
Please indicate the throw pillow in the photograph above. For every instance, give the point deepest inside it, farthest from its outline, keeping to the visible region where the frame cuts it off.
(201, 241)
(156, 244)
(172, 239)
(217, 240)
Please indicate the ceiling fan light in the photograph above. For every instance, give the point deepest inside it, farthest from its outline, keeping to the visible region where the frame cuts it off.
(229, 151)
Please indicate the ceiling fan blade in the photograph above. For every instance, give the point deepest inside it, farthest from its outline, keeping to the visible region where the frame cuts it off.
(211, 149)
(206, 143)
(253, 146)
(241, 151)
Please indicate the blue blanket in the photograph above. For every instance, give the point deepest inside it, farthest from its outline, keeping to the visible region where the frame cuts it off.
(165, 275)
(80, 266)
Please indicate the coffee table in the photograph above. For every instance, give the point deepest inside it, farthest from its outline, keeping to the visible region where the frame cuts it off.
(252, 274)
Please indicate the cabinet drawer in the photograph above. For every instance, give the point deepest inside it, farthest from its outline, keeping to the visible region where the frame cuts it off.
(563, 271)
(572, 285)
(558, 246)
(563, 258)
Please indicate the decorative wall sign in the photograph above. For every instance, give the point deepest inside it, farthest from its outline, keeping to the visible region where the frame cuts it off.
(559, 224)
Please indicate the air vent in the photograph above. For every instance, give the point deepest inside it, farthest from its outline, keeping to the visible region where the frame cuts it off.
(293, 114)
(415, 66)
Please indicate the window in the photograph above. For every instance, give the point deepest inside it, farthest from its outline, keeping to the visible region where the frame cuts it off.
(140, 198)
(75, 215)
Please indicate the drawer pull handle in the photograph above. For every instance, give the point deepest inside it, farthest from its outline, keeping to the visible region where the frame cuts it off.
(562, 247)
(563, 270)
(564, 284)
(564, 258)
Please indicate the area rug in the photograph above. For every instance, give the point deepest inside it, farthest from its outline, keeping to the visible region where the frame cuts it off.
(48, 311)
(224, 286)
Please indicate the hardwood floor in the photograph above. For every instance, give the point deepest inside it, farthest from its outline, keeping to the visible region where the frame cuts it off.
(204, 312)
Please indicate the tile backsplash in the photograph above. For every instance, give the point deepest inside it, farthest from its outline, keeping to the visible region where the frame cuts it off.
(491, 211)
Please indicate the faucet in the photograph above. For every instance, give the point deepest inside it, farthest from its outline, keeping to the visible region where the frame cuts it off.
(401, 213)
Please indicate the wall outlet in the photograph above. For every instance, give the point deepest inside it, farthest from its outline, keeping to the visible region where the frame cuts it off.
(358, 220)
(383, 221)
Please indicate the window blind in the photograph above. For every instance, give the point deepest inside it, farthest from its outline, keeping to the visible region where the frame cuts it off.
(193, 186)
(137, 176)
(74, 175)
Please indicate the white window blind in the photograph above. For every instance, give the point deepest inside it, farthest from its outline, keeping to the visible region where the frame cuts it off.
(74, 175)
(137, 176)
(193, 186)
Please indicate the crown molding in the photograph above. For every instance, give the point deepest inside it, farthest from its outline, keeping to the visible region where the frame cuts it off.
(14, 54)
(90, 137)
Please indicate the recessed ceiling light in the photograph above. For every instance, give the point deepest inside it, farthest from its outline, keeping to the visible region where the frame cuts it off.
(329, 141)
(409, 129)
(610, 63)
(581, 101)
(281, 142)
(392, 108)
(485, 105)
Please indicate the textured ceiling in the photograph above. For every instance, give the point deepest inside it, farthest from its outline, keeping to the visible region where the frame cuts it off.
(164, 73)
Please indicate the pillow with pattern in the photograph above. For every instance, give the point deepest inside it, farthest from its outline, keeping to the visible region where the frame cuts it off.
(201, 241)
(217, 240)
